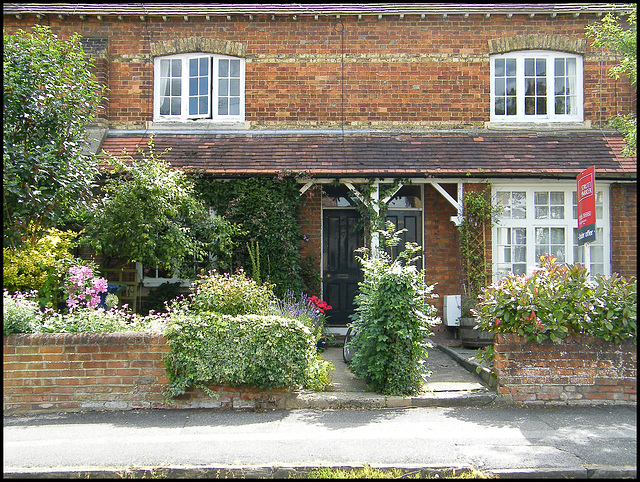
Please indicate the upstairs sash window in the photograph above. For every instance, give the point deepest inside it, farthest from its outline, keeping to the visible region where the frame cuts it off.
(199, 86)
(536, 86)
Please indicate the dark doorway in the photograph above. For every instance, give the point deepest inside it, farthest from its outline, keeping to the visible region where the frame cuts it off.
(411, 221)
(342, 235)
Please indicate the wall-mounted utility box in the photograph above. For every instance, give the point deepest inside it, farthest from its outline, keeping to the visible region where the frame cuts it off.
(452, 310)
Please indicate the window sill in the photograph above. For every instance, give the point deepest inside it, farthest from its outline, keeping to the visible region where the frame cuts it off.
(200, 124)
(538, 126)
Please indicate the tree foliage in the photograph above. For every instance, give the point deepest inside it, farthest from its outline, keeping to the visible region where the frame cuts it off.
(612, 33)
(49, 97)
(150, 214)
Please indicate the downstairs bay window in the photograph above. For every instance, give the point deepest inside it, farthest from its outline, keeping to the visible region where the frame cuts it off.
(541, 218)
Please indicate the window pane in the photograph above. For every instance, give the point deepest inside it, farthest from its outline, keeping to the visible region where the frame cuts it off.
(511, 86)
(204, 86)
(499, 68)
(204, 66)
(234, 68)
(541, 87)
(557, 212)
(223, 106)
(530, 87)
(500, 106)
(234, 106)
(542, 212)
(530, 105)
(164, 106)
(541, 106)
(500, 89)
(559, 86)
(557, 236)
(165, 87)
(176, 86)
(165, 66)
(193, 86)
(223, 68)
(193, 106)
(541, 67)
(541, 198)
(556, 197)
(520, 235)
(542, 236)
(511, 106)
(203, 105)
(559, 67)
(176, 68)
(511, 67)
(234, 87)
(193, 67)
(223, 87)
(529, 67)
(176, 103)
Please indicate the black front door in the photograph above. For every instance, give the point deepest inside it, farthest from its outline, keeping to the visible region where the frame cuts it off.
(341, 271)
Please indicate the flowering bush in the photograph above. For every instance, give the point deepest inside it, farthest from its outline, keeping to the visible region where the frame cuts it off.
(229, 294)
(320, 305)
(20, 312)
(311, 311)
(99, 320)
(83, 288)
(558, 300)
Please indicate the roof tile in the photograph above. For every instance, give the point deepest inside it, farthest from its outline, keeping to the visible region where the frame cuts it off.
(373, 154)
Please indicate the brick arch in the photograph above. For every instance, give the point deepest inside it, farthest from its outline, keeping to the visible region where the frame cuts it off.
(198, 44)
(558, 43)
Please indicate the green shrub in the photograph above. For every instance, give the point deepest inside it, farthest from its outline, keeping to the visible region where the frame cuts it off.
(556, 301)
(20, 312)
(391, 321)
(39, 265)
(260, 351)
(229, 295)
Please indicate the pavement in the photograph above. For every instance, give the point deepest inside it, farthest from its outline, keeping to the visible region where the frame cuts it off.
(458, 422)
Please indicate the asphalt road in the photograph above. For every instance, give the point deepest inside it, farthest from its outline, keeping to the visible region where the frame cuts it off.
(485, 438)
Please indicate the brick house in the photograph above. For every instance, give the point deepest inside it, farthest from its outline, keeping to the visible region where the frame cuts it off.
(440, 96)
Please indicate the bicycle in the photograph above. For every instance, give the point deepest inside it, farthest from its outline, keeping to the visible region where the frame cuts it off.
(348, 351)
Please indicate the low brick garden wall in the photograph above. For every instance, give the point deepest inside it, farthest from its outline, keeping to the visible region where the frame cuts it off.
(104, 371)
(579, 370)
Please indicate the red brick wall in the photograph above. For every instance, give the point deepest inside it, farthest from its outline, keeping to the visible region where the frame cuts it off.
(624, 229)
(580, 370)
(103, 371)
(311, 223)
(441, 247)
(431, 71)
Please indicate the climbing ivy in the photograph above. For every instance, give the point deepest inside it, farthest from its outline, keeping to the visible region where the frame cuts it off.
(266, 211)
(479, 213)
(373, 213)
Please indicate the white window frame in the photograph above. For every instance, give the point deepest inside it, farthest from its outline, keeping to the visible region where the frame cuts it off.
(213, 88)
(550, 116)
(569, 223)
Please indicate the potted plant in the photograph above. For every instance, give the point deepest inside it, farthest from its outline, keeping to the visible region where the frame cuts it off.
(479, 216)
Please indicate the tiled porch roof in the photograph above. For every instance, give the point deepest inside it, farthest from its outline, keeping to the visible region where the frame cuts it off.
(331, 154)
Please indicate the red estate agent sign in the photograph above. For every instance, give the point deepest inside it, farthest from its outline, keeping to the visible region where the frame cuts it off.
(587, 206)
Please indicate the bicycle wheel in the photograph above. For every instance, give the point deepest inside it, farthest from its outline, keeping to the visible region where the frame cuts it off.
(347, 351)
